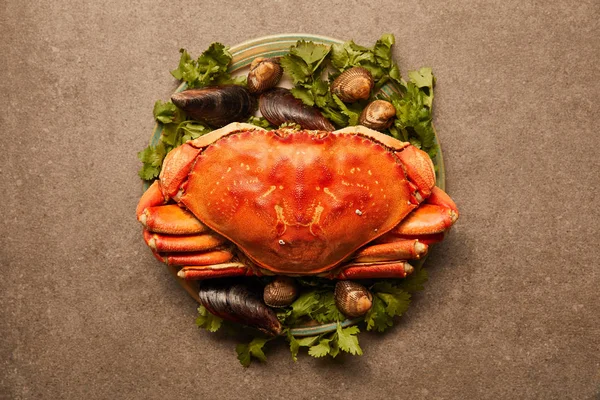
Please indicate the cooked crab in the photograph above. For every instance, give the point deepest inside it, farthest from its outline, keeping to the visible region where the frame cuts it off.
(348, 204)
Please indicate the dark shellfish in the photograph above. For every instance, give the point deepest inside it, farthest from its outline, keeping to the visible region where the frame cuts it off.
(352, 299)
(280, 292)
(279, 105)
(353, 84)
(378, 115)
(216, 105)
(264, 74)
(239, 304)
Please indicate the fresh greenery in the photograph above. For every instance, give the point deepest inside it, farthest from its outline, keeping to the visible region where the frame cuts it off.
(176, 130)
(316, 302)
(413, 100)
(209, 69)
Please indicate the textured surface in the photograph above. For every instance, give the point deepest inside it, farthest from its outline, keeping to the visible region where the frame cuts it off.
(511, 309)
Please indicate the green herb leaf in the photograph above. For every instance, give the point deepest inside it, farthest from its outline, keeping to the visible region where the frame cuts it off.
(208, 321)
(378, 60)
(352, 116)
(415, 281)
(321, 349)
(413, 118)
(327, 311)
(305, 62)
(260, 121)
(164, 112)
(304, 304)
(210, 67)
(253, 349)
(347, 339)
(296, 343)
(424, 80)
(389, 300)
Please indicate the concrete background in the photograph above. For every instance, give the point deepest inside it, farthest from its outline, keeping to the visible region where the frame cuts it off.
(511, 309)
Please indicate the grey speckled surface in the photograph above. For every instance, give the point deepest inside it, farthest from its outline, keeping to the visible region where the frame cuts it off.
(511, 309)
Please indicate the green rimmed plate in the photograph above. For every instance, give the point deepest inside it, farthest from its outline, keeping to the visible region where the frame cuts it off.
(242, 56)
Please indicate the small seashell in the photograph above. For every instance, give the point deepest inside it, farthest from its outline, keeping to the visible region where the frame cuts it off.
(353, 84)
(281, 292)
(264, 74)
(352, 299)
(378, 115)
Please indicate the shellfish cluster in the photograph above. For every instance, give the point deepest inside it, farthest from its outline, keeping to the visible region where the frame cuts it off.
(218, 106)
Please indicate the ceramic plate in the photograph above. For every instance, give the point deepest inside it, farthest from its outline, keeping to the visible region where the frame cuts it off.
(273, 46)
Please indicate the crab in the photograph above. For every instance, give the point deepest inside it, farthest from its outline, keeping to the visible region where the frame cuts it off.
(241, 201)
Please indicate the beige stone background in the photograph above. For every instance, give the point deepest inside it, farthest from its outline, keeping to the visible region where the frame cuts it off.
(511, 310)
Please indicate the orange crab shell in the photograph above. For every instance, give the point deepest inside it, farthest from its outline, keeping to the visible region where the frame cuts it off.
(298, 202)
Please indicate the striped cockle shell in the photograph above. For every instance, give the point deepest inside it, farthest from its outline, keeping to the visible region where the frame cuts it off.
(352, 299)
(280, 292)
(378, 115)
(264, 74)
(353, 84)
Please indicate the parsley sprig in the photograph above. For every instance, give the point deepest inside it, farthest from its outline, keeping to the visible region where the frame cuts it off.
(391, 299)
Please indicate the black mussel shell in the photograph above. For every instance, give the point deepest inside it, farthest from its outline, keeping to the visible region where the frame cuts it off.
(279, 105)
(217, 106)
(239, 304)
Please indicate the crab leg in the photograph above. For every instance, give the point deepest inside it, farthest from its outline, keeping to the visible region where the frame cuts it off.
(197, 272)
(166, 243)
(404, 249)
(200, 258)
(398, 269)
(171, 219)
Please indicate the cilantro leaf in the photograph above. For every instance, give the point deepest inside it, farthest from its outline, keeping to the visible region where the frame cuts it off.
(378, 60)
(260, 121)
(296, 343)
(151, 157)
(424, 80)
(164, 112)
(210, 67)
(389, 300)
(352, 116)
(253, 349)
(305, 61)
(347, 339)
(415, 281)
(377, 319)
(413, 118)
(208, 321)
(327, 311)
(304, 304)
(321, 349)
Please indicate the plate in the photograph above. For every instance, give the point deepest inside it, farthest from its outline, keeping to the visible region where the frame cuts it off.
(242, 56)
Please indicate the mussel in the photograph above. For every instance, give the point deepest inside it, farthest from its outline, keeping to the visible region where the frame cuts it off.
(352, 299)
(264, 74)
(353, 84)
(217, 106)
(279, 105)
(378, 115)
(238, 303)
(280, 292)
